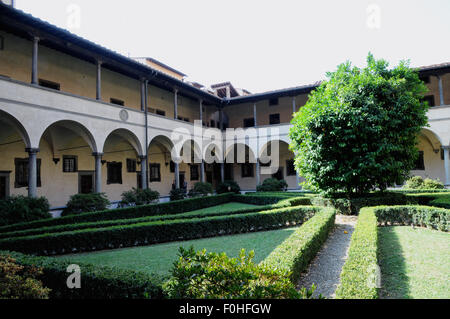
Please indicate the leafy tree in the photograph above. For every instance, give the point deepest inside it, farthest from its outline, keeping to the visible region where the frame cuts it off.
(358, 131)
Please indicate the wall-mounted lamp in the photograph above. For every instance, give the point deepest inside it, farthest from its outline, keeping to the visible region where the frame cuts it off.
(56, 160)
(103, 162)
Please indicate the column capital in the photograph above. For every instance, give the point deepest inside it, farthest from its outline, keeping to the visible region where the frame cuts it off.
(97, 154)
(446, 147)
(32, 150)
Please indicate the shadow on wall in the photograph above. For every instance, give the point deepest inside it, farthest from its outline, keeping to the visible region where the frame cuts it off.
(394, 281)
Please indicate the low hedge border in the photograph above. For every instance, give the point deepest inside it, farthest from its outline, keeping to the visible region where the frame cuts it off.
(296, 252)
(270, 199)
(173, 207)
(102, 224)
(360, 271)
(97, 282)
(358, 278)
(351, 206)
(422, 216)
(157, 232)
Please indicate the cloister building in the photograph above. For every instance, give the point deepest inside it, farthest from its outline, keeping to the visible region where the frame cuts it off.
(76, 117)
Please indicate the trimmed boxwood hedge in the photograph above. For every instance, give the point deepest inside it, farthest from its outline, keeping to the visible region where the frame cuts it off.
(297, 251)
(174, 207)
(97, 282)
(156, 232)
(270, 199)
(422, 216)
(351, 206)
(359, 274)
(102, 224)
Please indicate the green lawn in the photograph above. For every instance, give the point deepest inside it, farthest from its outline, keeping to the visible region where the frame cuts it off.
(415, 263)
(224, 208)
(159, 258)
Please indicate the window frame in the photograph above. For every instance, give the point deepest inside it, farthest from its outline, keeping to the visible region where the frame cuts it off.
(25, 162)
(131, 165)
(152, 178)
(75, 166)
(49, 84)
(251, 172)
(271, 118)
(194, 168)
(115, 101)
(110, 178)
(246, 121)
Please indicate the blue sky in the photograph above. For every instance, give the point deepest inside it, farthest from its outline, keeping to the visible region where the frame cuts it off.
(256, 44)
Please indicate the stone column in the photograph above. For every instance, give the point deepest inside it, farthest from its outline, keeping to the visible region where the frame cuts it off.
(294, 107)
(254, 115)
(447, 164)
(32, 171)
(202, 171)
(175, 104)
(441, 91)
(143, 171)
(258, 173)
(177, 175)
(99, 81)
(98, 171)
(222, 172)
(34, 61)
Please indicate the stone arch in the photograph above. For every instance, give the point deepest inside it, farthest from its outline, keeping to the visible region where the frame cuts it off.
(126, 135)
(11, 121)
(191, 148)
(432, 138)
(75, 127)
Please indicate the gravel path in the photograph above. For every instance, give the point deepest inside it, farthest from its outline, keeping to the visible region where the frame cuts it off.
(325, 269)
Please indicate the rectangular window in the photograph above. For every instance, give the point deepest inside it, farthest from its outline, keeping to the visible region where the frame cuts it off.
(213, 123)
(114, 172)
(155, 172)
(50, 84)
(250, 122)
(420, 164)
(274, 118)
(69, 164)
(429, 99)
(194, 173)
(21, 172)
(161, 112)
(131, 165)
(290, 168)
(247, 170)
(425, 79)
(273, 102)
(116, 101)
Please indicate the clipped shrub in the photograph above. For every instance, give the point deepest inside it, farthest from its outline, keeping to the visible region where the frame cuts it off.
(272, 185)
(227, 187)
(16, 209)
(178, 194)
(359, 274)
(157, 232)
(201, 189)
(200, 275)
(422, 216)
(440, 201)
(83, 203)
(351, 206)
(168, 208)
(97, 282)
(136, 197)
(297, 251)
(20, 282)
(417, 182)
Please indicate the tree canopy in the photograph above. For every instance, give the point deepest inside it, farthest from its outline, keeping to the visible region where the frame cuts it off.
(358, 131)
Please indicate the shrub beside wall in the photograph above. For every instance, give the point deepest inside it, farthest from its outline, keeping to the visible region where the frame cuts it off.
(296, 252)
(17, 209)
(359, 274)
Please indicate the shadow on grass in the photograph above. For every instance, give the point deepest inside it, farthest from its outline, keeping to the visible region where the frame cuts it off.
(394, 281)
